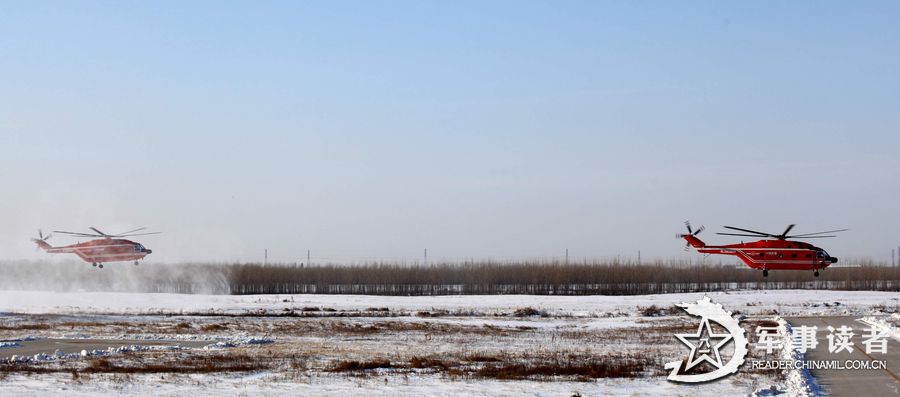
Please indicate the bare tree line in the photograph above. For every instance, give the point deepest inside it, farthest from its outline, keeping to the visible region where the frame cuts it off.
(545, 278)
(533, 278)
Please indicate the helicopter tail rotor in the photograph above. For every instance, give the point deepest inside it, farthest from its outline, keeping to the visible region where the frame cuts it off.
(41, 241)
(691, 236)
(42, 237)
(691, 232)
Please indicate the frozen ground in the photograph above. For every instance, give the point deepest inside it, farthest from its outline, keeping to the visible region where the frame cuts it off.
(887, 324)
(267, 384)
(786, 302)
(445, 345)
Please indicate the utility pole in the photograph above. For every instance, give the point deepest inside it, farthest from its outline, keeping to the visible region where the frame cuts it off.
(639, 257)
(307, 258)
(893, 263)
(266, 257)
(567, 256)
(425, 261)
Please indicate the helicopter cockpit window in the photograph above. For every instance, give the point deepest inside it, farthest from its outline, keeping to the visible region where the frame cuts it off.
(820, 254)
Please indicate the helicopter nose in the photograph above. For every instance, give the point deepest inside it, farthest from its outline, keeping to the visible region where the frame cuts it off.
(148, 251)
(832, 259)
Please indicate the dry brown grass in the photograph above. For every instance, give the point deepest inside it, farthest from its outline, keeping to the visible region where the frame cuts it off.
(481, 357)
(25, 327)
(200, 363)
(529, 311)
(234, 362)
(481, 365)
(214, 327)
(353, 365)
(629, 367)
(460, 312)
(429, 362)
(182, 326)
(423, 327)
(656, 311)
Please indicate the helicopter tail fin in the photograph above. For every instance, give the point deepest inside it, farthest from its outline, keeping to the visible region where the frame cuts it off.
(42, 244)
(693, 241)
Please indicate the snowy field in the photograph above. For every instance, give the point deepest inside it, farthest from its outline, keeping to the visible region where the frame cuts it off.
(374, 345)
(786, 302)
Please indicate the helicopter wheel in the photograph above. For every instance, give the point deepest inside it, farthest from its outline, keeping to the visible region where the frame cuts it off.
(765, 272)
(94, 264)
(816, 273)
(100, 266)
(135, 263)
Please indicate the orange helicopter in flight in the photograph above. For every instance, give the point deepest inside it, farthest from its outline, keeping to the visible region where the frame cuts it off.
(776, 253)
(104, 248)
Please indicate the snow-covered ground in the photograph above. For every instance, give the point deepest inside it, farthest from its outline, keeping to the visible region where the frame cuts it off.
(889, 325)
(266, 384)
(314, 334)
(799, 383)
(783, 302)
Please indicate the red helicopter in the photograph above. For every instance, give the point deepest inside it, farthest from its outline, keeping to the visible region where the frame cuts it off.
(106, 247)
(777, 254)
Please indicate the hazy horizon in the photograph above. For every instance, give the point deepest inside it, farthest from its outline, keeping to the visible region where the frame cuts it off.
(501, 130)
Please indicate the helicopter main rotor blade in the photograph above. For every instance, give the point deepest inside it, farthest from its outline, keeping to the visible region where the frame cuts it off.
(786, 231)
(812, 234)
(98, 232)
(130, 231)
(746, 235)
(135, 234)
(754, 235)
(749, 231)
(77, 234)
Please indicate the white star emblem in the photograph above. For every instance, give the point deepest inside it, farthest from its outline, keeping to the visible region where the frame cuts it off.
(704, 347)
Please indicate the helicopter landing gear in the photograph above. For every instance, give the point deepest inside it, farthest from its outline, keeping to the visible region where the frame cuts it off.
(94, 264)
(135, 263)
(100, 266)
(765, 272)
(816, 273)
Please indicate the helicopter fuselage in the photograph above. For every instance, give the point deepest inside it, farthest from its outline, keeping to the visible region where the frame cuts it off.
(102, 250)
(775, 254)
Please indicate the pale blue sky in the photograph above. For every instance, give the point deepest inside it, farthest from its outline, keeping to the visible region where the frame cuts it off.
(501, 129)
